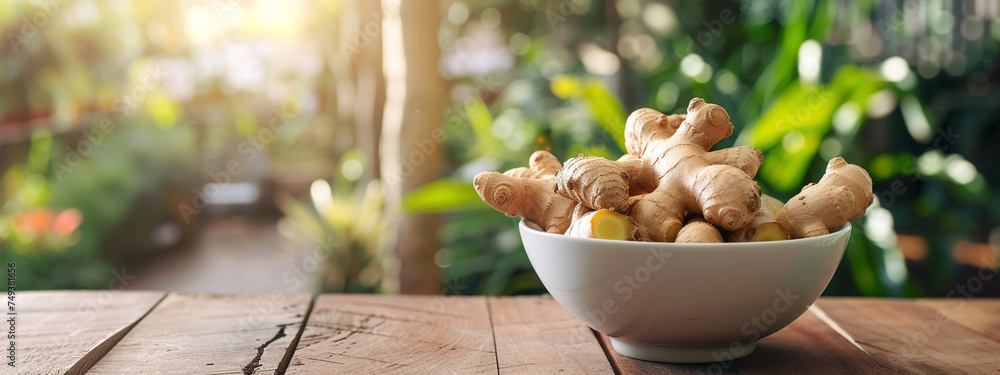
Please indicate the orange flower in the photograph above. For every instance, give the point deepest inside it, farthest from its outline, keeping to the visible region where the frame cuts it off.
(35, 220)
(67, 221)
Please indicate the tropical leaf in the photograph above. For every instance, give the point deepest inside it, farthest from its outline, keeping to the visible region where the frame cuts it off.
(444, 195)
(482, 126)
(602, 104)
(791, 130)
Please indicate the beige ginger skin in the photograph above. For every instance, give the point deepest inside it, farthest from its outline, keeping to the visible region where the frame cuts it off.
(529, 193)
(542, 164)
(671, 160)
(842, 195)
(603, 185)
(697, 230)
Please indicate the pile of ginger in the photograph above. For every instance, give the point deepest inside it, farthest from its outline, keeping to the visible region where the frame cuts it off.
(669, 187)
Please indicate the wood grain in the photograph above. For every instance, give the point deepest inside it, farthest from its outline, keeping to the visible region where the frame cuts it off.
(122, 332)
(210, 334)
(904, 336)
(367, 334)
(534, 335)
(982, 315)
(807, 346)
(65, 332)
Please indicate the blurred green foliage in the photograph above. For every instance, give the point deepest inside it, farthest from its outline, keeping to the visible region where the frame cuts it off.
(344, 228)
(105, 189)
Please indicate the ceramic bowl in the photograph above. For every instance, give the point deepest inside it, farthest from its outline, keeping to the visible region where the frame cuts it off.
(684, 303)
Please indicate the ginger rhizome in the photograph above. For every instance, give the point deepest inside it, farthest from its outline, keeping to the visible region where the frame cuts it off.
(697, 230)
(529, 193)
(542, 164)
(671, 160)
(842, 195)
(595, 182)
(669, 186)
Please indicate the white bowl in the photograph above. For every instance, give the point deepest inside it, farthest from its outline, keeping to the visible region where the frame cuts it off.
(684, 303)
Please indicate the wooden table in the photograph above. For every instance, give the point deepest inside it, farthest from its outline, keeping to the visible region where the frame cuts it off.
(102, 332)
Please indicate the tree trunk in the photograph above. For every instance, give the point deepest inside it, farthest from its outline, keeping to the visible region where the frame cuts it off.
(369, 83)
(624, 86)
(411, 133)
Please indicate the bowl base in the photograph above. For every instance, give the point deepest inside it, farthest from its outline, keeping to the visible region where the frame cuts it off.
(682, 354)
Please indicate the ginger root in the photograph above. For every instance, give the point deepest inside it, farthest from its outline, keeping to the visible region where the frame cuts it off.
(542, 164)
(656, 125)
(697, 230)
(670, 187)
(689, 180)
(595, 182)
(672, 162)
(529, 193)
(653, 124)
(842, 195)
(603, 224)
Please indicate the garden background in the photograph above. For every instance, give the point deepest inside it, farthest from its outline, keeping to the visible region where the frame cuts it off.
(238, 145)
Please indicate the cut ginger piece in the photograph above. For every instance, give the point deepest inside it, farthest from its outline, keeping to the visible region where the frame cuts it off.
(770, 231)
(764, 226)
(771, 204)
(605, 225)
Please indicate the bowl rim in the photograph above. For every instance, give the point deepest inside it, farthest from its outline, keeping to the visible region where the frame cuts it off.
(522, 225)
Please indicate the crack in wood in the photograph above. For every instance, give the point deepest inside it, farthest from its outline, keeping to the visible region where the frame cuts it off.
(874, 346)
(294, 345)
(351, 330)
(607, 349)
(92, 357)
(323, 360)
(251, 367)
(409, 310)
(382, 316)
(345, 337)
(371, 359)
(493, 332)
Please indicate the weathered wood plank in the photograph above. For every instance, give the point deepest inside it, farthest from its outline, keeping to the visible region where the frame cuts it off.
(981, 315)
(534, 335)
(396, 334)
(210, 334)
(807, 346)
(904, 336)
(65, 332)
